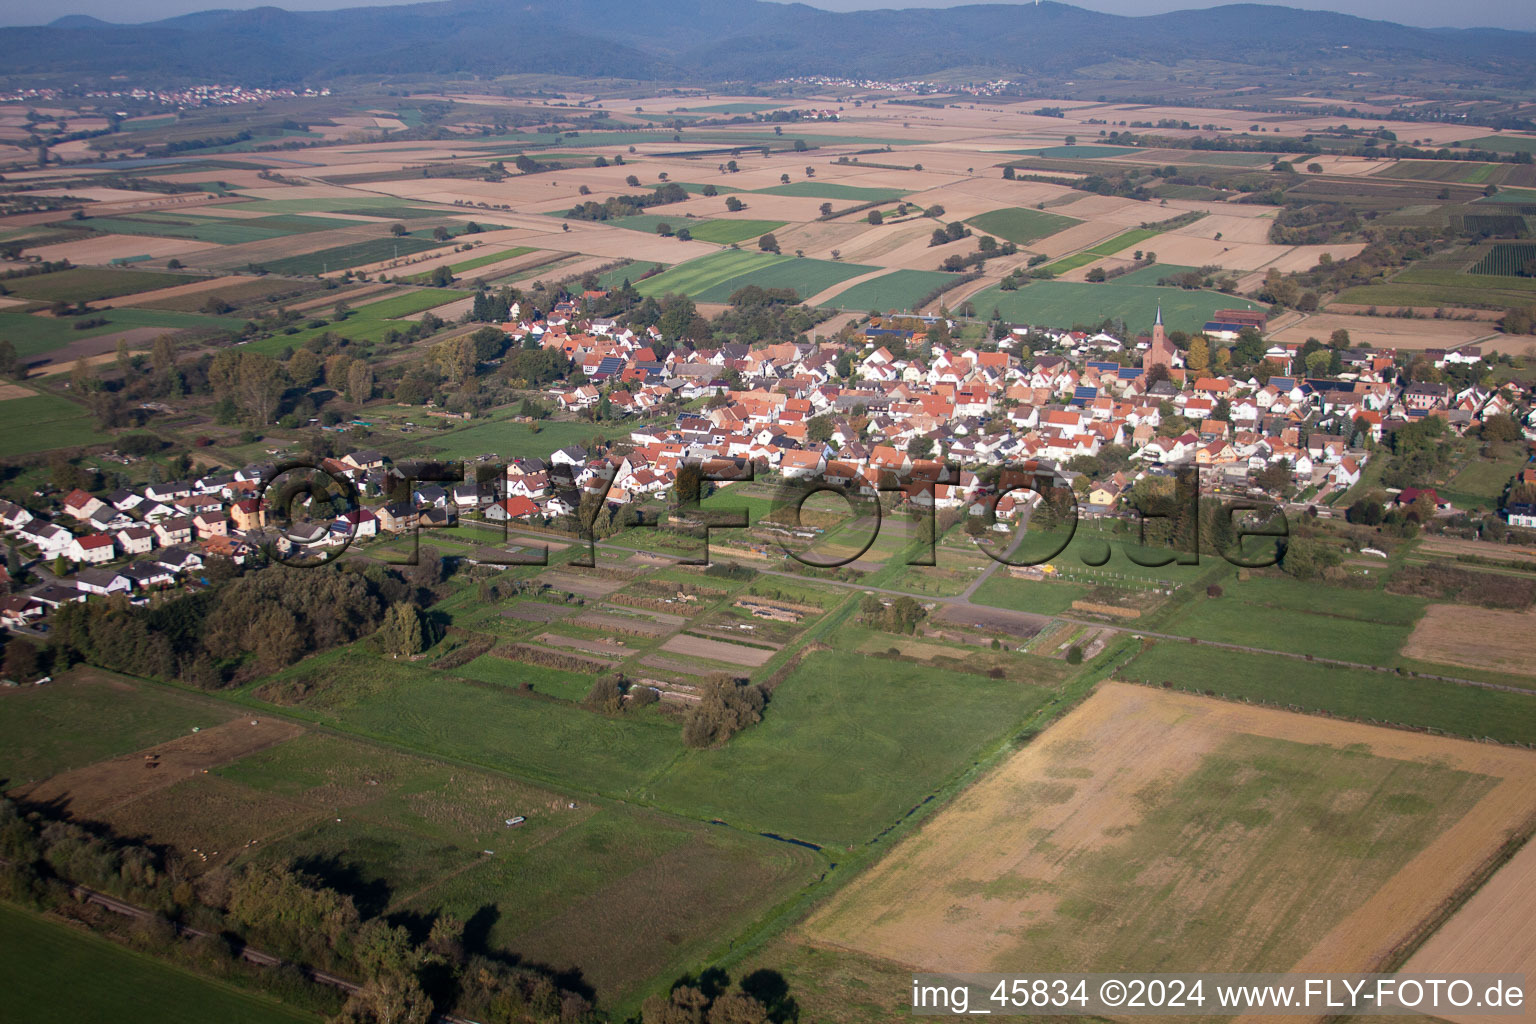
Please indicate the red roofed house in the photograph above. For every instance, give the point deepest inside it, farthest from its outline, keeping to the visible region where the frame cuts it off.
(80, 504)
(91, 550)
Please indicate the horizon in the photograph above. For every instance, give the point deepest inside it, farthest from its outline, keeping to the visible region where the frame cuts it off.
(1515, 15)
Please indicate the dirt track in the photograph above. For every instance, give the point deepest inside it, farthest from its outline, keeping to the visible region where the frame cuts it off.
(101, 786)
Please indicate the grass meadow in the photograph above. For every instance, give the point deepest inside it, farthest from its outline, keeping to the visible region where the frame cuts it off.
(714, 278)
(54, 974)
(898, 290)
(1281, 614)
(790, 775)
(87, 716)
(91, 284)
(43, 422)
(354, 254)
(1369, 696)
(1020, 225)
(1067, 304)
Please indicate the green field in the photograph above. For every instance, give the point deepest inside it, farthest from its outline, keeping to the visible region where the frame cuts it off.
(1505, 143)
(89, 284)
(1149, 276)
(38, 335)
(44, 422)
(728, 232)
(361, 206)
(549, 741)
(1354, 693)
(1438, 286)
(832, 190)
(795, 775)
(478, 262)
(214, 230)
(54, 974)
(629, 272)
(342, 257)
(1076, 152)
(581, 883)
(1020, 225)
(721, 232)
(1481, 482)
(1135, 236)
(1065, 304)
(1445, 170)
(1506, 259)
(899, 290)
(735, 108)
(1076, 260)
(411, 302)
(86, 716)
(252, 290)
(1283, 614)
(715, 277)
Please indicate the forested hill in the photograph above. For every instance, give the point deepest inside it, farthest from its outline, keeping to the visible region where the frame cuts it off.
(730, 40)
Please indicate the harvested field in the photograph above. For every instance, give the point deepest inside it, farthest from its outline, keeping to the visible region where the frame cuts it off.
(1453, 634)
(993, 620)
(1147, 829)
(717, 650)
(1482, 549)
(1385, 332)
(1492, 932)
(536, 611)
(96, 788)
(586, 586)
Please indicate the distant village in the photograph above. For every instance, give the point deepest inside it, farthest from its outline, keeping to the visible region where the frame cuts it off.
(851, 414)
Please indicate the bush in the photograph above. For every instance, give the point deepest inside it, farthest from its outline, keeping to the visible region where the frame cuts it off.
(1074, 655)
(726, 708)
(1214, 590)
(606, 694)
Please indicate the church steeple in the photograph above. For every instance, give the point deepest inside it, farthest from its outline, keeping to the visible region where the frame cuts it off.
(1159, 321)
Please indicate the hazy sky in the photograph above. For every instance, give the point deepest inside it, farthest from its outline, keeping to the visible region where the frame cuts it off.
(1430, 13)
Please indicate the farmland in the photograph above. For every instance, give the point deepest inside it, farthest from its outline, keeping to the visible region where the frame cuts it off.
(565, 887)
(86, 718)
(714, 278)
(62, 975)
(899, 289)
(1067, 304)
(1021, 226)
(1365, 626)
(1349, 692)
(833, 190)
(351, 255)
(1047, 859)
(42, 422)
(91, 284)
(40, 334)
(1507, 260)
(938, 774)
(838, 708)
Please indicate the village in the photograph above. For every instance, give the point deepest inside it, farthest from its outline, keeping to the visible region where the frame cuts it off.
(853, 417)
